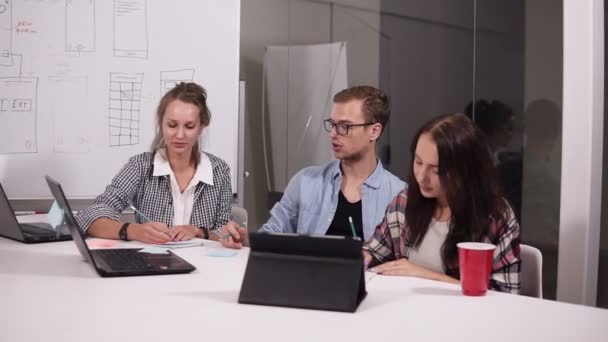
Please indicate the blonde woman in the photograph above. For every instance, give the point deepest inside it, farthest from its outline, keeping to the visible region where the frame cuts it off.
(180, 191)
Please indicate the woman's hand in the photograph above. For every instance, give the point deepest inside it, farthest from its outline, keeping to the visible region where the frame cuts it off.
(232, 235)
(149, 232)
(401, 267)
(183, 233)
(404, 267)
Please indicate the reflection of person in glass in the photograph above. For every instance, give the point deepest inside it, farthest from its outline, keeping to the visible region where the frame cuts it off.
(542, 173)
(453, 196)
(497, 121)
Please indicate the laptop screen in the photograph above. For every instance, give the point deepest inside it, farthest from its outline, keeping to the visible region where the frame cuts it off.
(8, 223)
(77, 234)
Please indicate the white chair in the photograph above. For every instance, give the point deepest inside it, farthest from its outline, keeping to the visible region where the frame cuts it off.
(531, 271)
(239, 215)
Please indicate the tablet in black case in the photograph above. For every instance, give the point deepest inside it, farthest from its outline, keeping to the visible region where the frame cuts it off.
(312, 272)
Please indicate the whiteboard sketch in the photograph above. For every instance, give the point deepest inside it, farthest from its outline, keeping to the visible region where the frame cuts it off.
(80, 25)
(55, 112)
(6, 33)
(168, 79)
(130, 29)
(67, 113)
(18, 103)
(125, 100)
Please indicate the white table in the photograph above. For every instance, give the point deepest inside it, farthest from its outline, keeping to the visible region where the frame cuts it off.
(48, 293)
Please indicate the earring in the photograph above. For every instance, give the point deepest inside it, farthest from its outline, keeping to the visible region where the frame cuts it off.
(161, 143)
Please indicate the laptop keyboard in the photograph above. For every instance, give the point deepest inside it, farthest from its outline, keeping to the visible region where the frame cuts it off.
(125, 259)
(35, 230)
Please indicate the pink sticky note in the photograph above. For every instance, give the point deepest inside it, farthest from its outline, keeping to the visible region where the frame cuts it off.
(99, 243)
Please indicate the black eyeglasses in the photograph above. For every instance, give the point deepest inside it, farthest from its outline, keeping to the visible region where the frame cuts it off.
(342, 128)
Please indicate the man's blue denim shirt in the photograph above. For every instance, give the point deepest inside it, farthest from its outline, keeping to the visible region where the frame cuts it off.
(310, 200)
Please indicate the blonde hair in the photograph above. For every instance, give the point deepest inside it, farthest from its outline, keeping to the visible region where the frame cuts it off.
(375, 102)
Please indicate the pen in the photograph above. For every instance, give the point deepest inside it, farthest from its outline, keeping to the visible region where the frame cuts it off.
(352, 226)
(140, 213)
(227, 235)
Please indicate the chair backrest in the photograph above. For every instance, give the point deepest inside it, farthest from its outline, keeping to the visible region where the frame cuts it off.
(531, 271)
(239, 215)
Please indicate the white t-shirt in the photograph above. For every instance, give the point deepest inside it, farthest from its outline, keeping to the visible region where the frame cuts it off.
(428, 253)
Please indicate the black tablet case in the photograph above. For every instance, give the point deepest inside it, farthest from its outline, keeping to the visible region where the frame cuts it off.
(324, 273)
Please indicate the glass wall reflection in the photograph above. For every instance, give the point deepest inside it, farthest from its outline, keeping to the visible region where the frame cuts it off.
(427, 67)
(542, 118)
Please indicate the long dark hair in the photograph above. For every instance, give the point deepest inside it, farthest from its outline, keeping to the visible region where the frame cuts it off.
(469, 179)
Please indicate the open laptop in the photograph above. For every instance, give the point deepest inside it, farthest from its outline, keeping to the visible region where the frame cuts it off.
(121, 261)
(35, 232)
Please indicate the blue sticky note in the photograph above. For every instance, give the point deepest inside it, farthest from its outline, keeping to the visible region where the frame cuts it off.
(154, 250)
(221, 253)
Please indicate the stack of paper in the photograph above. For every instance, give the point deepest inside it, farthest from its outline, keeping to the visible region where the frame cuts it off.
(181, 244)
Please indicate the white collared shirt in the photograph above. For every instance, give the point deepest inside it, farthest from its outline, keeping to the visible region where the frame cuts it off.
(184, 201)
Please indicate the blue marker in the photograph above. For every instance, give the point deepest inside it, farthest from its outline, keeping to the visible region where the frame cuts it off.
(352, 228)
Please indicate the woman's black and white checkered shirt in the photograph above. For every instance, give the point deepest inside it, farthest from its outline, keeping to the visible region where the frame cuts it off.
(136, 185)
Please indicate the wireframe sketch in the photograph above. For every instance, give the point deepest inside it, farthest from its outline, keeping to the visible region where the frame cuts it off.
(6, 33)
(130, 29)
(80, 25)
(69, 120)
(18, 102)
(125, 99)
(168, 79)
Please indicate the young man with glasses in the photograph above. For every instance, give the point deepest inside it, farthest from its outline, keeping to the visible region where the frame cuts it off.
(322, 200)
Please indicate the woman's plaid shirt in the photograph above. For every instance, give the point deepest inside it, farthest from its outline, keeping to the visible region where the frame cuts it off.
(135, 184)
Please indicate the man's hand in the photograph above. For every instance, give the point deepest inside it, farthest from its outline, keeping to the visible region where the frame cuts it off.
(401, 267)
(232, 235)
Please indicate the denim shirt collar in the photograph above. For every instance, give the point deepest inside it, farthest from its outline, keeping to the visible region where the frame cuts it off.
(373, 181)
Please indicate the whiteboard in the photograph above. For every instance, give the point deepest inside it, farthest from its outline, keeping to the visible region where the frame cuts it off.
(80, 81)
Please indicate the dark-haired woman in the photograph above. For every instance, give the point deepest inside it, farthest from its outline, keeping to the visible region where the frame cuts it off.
(453, 196)
(180, 192)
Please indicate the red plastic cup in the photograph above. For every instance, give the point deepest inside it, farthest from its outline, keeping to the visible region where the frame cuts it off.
(475, 260)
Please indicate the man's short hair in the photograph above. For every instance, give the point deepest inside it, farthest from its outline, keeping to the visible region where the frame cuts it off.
(375, 102)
